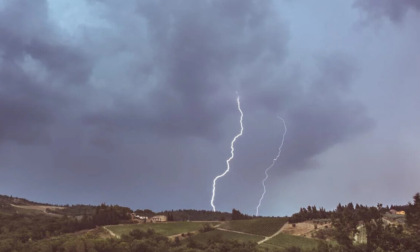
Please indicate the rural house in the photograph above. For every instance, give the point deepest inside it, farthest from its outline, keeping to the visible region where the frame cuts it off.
(159, 218)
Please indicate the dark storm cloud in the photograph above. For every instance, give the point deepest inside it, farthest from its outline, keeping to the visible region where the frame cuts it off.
(204, 51)
(28, 104)
(320, 116)
(395, 10)
(317, 125)
(148, 96)
(197, 47)
(325, 116)
(24, 111)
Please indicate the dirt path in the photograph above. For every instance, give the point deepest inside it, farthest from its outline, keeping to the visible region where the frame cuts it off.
(276, 233)
(238, 232)
(110, 232)
(266, 238)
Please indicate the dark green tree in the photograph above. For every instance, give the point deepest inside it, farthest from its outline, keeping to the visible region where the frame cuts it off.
(413, 214)
(345, 222)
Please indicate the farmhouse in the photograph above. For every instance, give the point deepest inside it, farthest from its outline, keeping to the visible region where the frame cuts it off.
(159, 218)
(393, 211)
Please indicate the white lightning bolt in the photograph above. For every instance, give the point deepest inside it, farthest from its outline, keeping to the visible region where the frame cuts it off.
(232, 154)
(272, 164)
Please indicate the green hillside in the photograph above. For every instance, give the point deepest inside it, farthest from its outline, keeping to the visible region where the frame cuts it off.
(286, 241)
(166, 229)
(29, 226)
(257, 226)
(219, 234)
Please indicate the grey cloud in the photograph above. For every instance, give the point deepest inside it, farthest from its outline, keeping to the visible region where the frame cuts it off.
(29, 103)
(337, 72)
(68, 64)
(24, 107)
(325, 116)
(317, 125)
(395, 10)
(149, 97)
(201, 62)
(22, 122)
(196, 50)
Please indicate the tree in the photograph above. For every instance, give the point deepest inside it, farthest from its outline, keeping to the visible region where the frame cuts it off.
(413, 214)
(237, 215)
(345, 222)
(170, 217)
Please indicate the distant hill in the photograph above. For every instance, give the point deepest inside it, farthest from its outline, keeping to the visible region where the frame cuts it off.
(7, 200)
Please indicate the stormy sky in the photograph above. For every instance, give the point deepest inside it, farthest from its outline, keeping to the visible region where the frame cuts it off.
(134, 102)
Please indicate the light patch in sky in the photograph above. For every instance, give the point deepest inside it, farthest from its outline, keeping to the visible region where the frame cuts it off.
(73, 16)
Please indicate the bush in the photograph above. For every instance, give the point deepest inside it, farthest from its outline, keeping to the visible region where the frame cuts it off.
(206, 228)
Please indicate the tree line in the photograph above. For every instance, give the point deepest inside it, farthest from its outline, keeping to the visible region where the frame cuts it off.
(348, 220)
(310, 213)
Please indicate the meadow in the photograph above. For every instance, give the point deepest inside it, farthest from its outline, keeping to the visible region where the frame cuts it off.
(225, 235)
(258, 226)
(285, 241)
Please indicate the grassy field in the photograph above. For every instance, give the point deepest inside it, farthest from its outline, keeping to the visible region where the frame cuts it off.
(269, 247)
(167, 229)
(285, 241)
(219, 234)
(257, 226)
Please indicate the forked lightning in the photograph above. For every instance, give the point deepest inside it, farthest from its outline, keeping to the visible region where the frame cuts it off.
(272, 164)
(232, 154)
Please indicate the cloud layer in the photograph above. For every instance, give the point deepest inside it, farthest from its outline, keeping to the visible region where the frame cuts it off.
(141, 96)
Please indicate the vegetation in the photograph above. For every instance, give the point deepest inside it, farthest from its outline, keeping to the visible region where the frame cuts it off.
(77, 230)
(379, 236)
(18, 229)
(237, 215)
(260, 226)
(207, 227)
(74, 210)
(196, 215)
(7, 200)
(287, 241)
(166, 229)
(309, 213)
(413, 215)
(219, 235)
(187, 215)
(135, 241)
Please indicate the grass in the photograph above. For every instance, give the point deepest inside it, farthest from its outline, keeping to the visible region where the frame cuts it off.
(225, 235)
(257, 226)
(285, 241)
(167, 228)
(269, 247)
